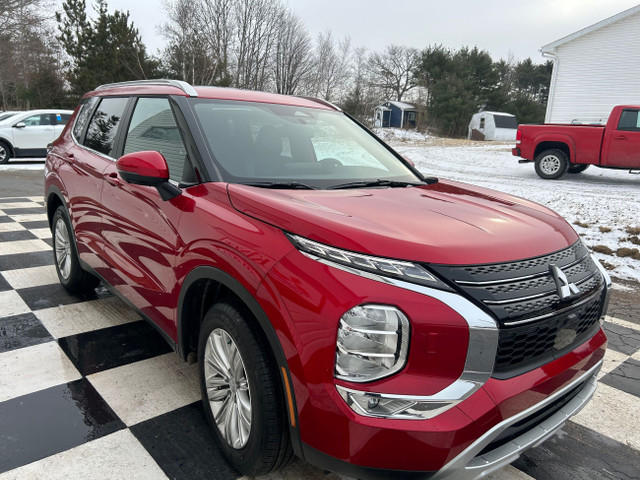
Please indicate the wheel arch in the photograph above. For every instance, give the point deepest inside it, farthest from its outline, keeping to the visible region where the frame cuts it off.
(54, 199)
(9, 144)
(563, 144)
(203, 287)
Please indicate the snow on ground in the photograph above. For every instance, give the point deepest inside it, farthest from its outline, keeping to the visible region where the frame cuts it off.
(23, 164)
(606, 203)
(392, 135)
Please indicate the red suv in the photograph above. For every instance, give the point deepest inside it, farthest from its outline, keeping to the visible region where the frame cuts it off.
(341, 306)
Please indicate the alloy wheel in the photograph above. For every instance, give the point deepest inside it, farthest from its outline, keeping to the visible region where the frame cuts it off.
(62, 246)
(550, 164)
(227, 388)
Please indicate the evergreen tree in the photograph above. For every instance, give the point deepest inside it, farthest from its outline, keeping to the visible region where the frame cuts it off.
(103, 50)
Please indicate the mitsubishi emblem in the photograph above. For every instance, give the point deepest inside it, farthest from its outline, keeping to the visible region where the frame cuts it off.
(564, 288)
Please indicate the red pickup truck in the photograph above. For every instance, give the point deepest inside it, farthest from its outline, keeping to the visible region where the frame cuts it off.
(557, 148)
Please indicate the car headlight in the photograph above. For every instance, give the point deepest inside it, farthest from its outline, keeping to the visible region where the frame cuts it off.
(383, 267)
(372, 343)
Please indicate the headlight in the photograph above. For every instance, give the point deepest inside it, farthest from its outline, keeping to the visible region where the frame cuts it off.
(373, 341)
(384, 267)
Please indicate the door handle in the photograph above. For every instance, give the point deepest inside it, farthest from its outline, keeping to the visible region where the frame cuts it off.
(113, 179)
(620, 137)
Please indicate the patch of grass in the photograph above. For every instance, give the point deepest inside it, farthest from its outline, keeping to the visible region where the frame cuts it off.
(604, 229)
(581, 224)
(607, 265)
(628, 252)
(602, 249)
(633, 230)
(633, 239)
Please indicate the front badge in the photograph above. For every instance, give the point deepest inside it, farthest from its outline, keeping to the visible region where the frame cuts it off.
(564, 288)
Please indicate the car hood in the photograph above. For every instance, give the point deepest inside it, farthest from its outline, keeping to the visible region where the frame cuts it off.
(446, 222)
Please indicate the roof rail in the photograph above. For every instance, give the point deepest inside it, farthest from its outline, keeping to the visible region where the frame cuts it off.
(184, 86)
(322, 102)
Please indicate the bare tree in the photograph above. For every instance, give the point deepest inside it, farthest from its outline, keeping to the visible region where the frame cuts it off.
(394, 70)
(257, 23)
(214, 19)
(331, 67)
(292, 60)
(187, 54)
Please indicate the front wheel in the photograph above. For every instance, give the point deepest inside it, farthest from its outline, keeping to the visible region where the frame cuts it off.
(577, 167)
(241, 393)
(551, 164)
(5, 153)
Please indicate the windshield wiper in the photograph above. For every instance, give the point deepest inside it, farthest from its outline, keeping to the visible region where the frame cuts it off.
(283, 185)
(374, 183)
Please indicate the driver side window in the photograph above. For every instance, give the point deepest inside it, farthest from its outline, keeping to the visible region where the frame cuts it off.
(153, 127)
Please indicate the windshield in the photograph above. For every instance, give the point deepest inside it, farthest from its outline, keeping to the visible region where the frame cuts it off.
(7, 116)
(267, 144)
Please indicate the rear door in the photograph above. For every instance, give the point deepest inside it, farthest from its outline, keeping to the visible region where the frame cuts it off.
(624, 146)
(138, 227)
(94, 133)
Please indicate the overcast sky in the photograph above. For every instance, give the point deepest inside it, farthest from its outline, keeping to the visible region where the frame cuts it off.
(498, 26)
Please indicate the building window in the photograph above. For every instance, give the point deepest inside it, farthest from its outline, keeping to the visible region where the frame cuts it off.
(482, 124)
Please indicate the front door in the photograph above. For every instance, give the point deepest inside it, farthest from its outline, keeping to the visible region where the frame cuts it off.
(138, 227)
(624, 147)
(32, 138)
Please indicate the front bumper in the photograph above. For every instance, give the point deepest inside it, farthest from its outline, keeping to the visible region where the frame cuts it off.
(479, 459)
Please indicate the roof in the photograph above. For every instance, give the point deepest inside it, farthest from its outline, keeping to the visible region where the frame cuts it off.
(403, 106)
(170, 87)
(382, 107)
(497, 113)
(550, 47)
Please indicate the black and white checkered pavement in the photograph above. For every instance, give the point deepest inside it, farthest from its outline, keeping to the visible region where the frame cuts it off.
(89, 390)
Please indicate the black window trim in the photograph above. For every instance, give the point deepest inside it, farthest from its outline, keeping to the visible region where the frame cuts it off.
(629, 129)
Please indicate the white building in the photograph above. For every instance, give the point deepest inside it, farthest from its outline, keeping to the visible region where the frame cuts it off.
(487, 125)
(594, 69)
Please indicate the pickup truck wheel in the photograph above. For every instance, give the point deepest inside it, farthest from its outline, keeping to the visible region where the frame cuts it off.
(577, 168)
(5, 153)
(241, 393)
(551, 164)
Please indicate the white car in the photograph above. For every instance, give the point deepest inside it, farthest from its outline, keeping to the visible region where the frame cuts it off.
(27, 134)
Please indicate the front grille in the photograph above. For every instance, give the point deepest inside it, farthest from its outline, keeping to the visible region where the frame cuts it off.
(535, 325)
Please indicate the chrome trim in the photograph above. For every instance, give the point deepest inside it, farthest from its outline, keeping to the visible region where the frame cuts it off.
(468, 465)
(557, 312)
(537, 295)
(607, 285)
(184, 86)
(483, 333)
(518, 279)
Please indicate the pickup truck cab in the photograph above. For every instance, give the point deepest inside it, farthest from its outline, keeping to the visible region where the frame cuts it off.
(557, 148)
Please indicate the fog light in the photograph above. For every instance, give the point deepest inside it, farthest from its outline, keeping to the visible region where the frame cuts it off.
(400, 407)
(373, 341)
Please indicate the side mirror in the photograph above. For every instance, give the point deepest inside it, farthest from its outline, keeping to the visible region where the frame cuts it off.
(147, 168)
(20, 125)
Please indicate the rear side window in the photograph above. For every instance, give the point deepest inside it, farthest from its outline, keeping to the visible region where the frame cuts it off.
(104, 124)
(153, 127)
(629, 120)
(83, 116)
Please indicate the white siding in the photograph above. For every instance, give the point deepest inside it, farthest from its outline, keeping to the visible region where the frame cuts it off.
(595, 72)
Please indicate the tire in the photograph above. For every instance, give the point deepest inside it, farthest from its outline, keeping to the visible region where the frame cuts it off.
(250, 389)
(5, 152)
(551, 164)
(577, 167)
(65, 256)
